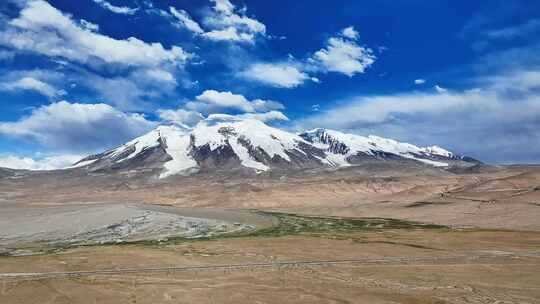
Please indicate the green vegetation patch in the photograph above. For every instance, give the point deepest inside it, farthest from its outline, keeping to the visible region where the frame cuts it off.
(290, 224)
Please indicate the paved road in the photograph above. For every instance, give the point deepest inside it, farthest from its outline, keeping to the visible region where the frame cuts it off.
(476, 259)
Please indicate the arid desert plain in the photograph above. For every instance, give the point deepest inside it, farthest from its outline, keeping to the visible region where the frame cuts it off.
(370, 235)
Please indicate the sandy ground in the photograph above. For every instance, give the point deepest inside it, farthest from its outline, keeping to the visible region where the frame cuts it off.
(494, 259)
(501, 197)
(463, 280)
(30, 229)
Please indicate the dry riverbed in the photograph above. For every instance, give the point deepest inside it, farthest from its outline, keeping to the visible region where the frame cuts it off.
(35, 229)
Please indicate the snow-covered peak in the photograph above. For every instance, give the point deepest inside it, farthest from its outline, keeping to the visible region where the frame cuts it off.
(272, 140)
(151, 139)
(336, 142)
(242, 134)
(140, 143)
(225, 141)
(436, 150)
(173, 139)
(392, 146)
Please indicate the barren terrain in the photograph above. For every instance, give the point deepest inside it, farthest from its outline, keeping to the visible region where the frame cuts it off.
(394, 266)
(29, 230)
(486, 197)
(371, 235)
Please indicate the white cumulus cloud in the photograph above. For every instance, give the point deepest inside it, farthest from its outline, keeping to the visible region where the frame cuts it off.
(440, 89)
(262, 105)
(43, 29)
(43, 163)
(30, 83)
(87, 25)
(212, 101)
(281, 75)
(65, 126)
(264, 117)
(350, 33)
(229, 34)
(161, 75)
(185, 20)
(116, 9)
(489, 123)
(267, 116)
(223, 6)
(223, 22)
(228, 23)
(180, 116)
(343, 54)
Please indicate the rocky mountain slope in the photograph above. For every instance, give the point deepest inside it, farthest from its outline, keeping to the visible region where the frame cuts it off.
(219, 143)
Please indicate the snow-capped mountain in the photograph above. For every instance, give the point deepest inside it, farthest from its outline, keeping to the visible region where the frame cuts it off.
(222, 143)
(345, 149)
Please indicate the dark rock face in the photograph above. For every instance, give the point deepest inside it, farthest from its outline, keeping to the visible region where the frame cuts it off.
(363, 157)
(222, 157)
(321, 136)
(257, 153)
(150, 158)
(311, 158)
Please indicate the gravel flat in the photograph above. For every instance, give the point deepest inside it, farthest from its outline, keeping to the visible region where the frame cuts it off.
(82, 224)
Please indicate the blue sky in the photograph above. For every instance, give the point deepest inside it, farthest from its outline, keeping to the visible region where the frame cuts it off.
(77, 77)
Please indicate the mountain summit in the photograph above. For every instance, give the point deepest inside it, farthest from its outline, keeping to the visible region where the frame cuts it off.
(224, 142)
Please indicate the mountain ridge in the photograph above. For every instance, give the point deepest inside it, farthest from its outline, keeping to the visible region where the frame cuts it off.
(230, 143)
